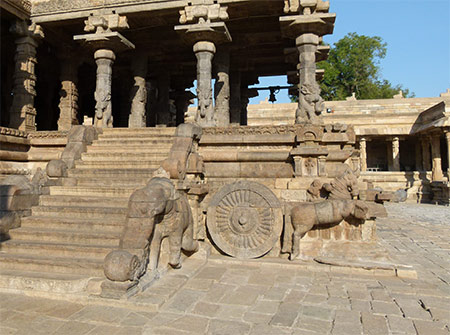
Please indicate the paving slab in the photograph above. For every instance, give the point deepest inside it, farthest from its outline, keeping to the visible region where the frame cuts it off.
(270, 296)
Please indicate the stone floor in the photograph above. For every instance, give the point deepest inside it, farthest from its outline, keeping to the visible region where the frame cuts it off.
(223, 296)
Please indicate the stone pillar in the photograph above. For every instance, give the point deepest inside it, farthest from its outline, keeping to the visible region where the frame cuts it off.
(22, 111)
(396, 153)
(447, 136)
(182, 100)
(162, 112)
(104, 40)
(246, 94)
(235, 98)
(104, 59)
(310, 104)
(363, 154)
(419, 159)
(68, 102)
(204, 51)
(202, 26)
(437, 174)
(222, 88)
(426, 159)
(307, 21)
(138, 94)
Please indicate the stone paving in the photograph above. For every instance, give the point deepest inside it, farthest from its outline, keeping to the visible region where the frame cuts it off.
(224, 296)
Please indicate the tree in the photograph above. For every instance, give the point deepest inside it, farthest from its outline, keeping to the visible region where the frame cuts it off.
(353, 66)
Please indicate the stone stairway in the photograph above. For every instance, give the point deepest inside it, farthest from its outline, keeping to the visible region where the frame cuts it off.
(61, 246)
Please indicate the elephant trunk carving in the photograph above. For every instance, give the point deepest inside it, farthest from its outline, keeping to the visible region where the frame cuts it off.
(306, 216)
(154, 212)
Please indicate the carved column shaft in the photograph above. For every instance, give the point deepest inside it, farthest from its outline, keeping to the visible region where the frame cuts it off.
(162, 112)
(396, 153)
(437, 174)
(138, 95)
(222, 88)
(426, 159)
(447, 136)
(22, 112)
(235, 97)
(204, 51)
(68, 102)
(309, 101)
(103, 108)
(363, 154)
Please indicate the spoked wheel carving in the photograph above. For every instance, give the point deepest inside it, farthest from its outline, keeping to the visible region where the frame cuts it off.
(245, 219)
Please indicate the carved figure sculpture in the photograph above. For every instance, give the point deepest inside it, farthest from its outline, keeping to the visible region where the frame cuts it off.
(154, 212)
(343, 187)
(310, 103)
(307, 215)
(103, 109)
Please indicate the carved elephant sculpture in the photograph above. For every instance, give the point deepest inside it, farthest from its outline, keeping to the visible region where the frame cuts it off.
(154, 212)
(307, 215)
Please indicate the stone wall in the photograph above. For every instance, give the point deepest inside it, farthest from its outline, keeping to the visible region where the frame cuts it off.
(23, 153)
(369, 117)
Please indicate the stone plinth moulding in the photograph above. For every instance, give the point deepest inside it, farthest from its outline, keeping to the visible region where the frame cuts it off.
(22, 112)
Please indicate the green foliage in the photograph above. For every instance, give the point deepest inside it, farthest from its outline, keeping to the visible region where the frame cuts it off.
(353, 65)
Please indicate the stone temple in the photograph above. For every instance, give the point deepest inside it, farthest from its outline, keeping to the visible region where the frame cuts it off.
(108, 179)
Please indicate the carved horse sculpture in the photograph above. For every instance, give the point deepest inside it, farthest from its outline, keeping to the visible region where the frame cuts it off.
(154, 212)
(307, 215)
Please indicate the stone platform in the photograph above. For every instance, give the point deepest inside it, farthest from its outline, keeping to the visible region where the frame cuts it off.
(225, 296)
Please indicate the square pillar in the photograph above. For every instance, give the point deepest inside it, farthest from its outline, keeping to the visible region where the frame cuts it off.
(437, 174)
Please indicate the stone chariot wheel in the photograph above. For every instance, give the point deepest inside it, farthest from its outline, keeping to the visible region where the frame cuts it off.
(245, 219)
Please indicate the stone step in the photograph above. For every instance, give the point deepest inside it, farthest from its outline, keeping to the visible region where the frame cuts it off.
(122, 192)
(111, 173)
(124, 156)
(136, 182)
(138, 164)
(148, 130)
(68, 200)
(129, 148)
(84, 266)
(106, 213)
(55, 249)
(44, 281)
(105, 239)
(130, 141)
(74, 224)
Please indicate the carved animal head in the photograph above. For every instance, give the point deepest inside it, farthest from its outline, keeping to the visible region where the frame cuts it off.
(161, 195)
(120, 265)
(360, 209)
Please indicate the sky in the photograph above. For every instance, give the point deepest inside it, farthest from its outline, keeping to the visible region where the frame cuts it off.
(417, 33)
